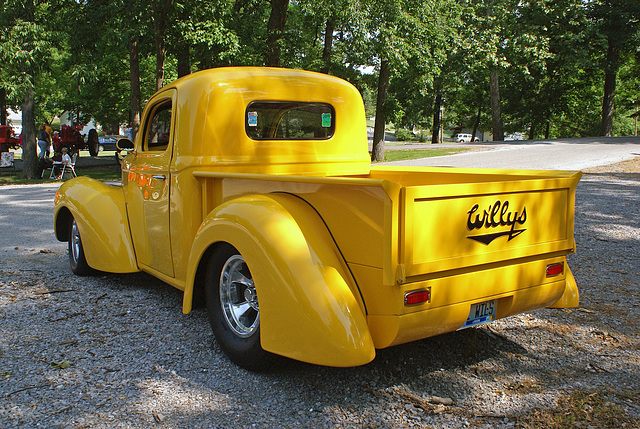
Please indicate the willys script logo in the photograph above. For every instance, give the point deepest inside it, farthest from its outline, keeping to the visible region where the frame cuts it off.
(496, 215)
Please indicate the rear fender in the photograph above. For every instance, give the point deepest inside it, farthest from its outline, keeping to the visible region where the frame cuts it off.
(101, 216)
(571, 297)
(310, 308)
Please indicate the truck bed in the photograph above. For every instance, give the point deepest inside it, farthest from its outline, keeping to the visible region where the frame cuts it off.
(466, 236)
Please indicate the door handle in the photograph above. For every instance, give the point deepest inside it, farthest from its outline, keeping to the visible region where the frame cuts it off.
(159, 176)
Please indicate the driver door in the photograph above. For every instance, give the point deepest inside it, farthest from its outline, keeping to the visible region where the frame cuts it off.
(148, 186)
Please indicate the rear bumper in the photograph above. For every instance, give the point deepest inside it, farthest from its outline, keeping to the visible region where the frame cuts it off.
(517, 287)
(392, 330)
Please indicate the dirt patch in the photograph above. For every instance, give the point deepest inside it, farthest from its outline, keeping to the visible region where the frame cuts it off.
(631, 166)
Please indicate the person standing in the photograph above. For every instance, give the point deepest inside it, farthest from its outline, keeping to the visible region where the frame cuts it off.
(48, 128)
(55, 141)
(44, 141)
(128, 132)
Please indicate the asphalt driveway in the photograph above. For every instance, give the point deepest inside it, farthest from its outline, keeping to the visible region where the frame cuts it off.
(561, 154)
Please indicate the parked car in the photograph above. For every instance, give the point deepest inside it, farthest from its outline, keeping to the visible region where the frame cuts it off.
(108, 143)
(513, 137)
(462, 138)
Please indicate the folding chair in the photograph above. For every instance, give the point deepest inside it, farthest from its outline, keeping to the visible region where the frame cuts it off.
(70, 167)
(54, 168)
(65, 167)
(7, 161)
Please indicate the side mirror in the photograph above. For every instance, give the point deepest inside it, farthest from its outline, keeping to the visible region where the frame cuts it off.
(124, 144)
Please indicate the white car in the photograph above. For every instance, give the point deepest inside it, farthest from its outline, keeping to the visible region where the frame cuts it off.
(462, 138)
(514, 136)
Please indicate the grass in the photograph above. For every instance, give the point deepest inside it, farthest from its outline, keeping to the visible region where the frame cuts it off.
(103, 173)
(403, 155)
(107, 173)
(110, 173)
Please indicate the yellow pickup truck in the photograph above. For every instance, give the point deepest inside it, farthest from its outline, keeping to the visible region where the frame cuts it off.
(251, 190)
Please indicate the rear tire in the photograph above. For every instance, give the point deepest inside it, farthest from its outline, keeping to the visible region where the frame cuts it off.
(77, 261)
(234, 313)
(93, 148)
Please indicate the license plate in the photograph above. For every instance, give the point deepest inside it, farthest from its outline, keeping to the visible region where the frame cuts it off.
(482, 312)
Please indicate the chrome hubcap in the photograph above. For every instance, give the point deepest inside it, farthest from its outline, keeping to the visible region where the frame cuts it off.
(238, 297)
(75, 241)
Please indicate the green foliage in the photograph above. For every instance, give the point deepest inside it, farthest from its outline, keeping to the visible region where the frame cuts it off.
(26, 44)
(404, 135)
(551, 55)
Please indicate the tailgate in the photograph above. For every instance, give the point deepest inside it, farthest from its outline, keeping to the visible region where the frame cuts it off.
(470, 219)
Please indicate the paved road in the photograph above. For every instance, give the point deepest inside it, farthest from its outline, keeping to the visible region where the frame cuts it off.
(567, 154)
(33, 202)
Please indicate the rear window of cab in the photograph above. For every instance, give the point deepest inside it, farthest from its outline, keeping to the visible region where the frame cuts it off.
(289, 120)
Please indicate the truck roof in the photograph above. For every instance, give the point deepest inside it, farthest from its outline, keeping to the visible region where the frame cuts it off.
(213, 122)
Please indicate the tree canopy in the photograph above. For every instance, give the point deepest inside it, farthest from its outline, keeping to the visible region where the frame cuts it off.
(544, 68)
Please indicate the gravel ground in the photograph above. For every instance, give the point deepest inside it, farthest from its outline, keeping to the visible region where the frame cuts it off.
(115, 351)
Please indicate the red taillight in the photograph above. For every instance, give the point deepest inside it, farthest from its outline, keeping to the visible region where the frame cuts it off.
(417, 297)
(555, 269)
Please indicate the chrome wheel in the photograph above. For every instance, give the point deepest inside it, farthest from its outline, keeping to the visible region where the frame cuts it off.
(238, 297)
(234, 314)
(77, 259)
(75, 245)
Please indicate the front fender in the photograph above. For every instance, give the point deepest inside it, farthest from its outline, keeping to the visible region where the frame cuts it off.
(101, 216)
(310, 307)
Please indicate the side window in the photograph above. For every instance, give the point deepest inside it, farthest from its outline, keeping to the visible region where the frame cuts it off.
(158, 129)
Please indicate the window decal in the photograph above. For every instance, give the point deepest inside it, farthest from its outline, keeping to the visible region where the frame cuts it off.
(252, 119)
(326, 120)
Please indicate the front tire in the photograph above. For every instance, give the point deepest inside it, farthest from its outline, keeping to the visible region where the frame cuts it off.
(234, 312)
(77, 260)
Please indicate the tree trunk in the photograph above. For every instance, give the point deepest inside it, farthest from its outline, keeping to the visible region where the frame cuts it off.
(533, 129)
(547, 131)
(328, 44)
(159, 26)
(476, 124)
(377, 151)
(496, 114)
(613, 57)
(134, 77)
(635, 133)
(184, 61)
(160, 51)
(435, 129)
(3, 107)
(29, 156)
(275, 28)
